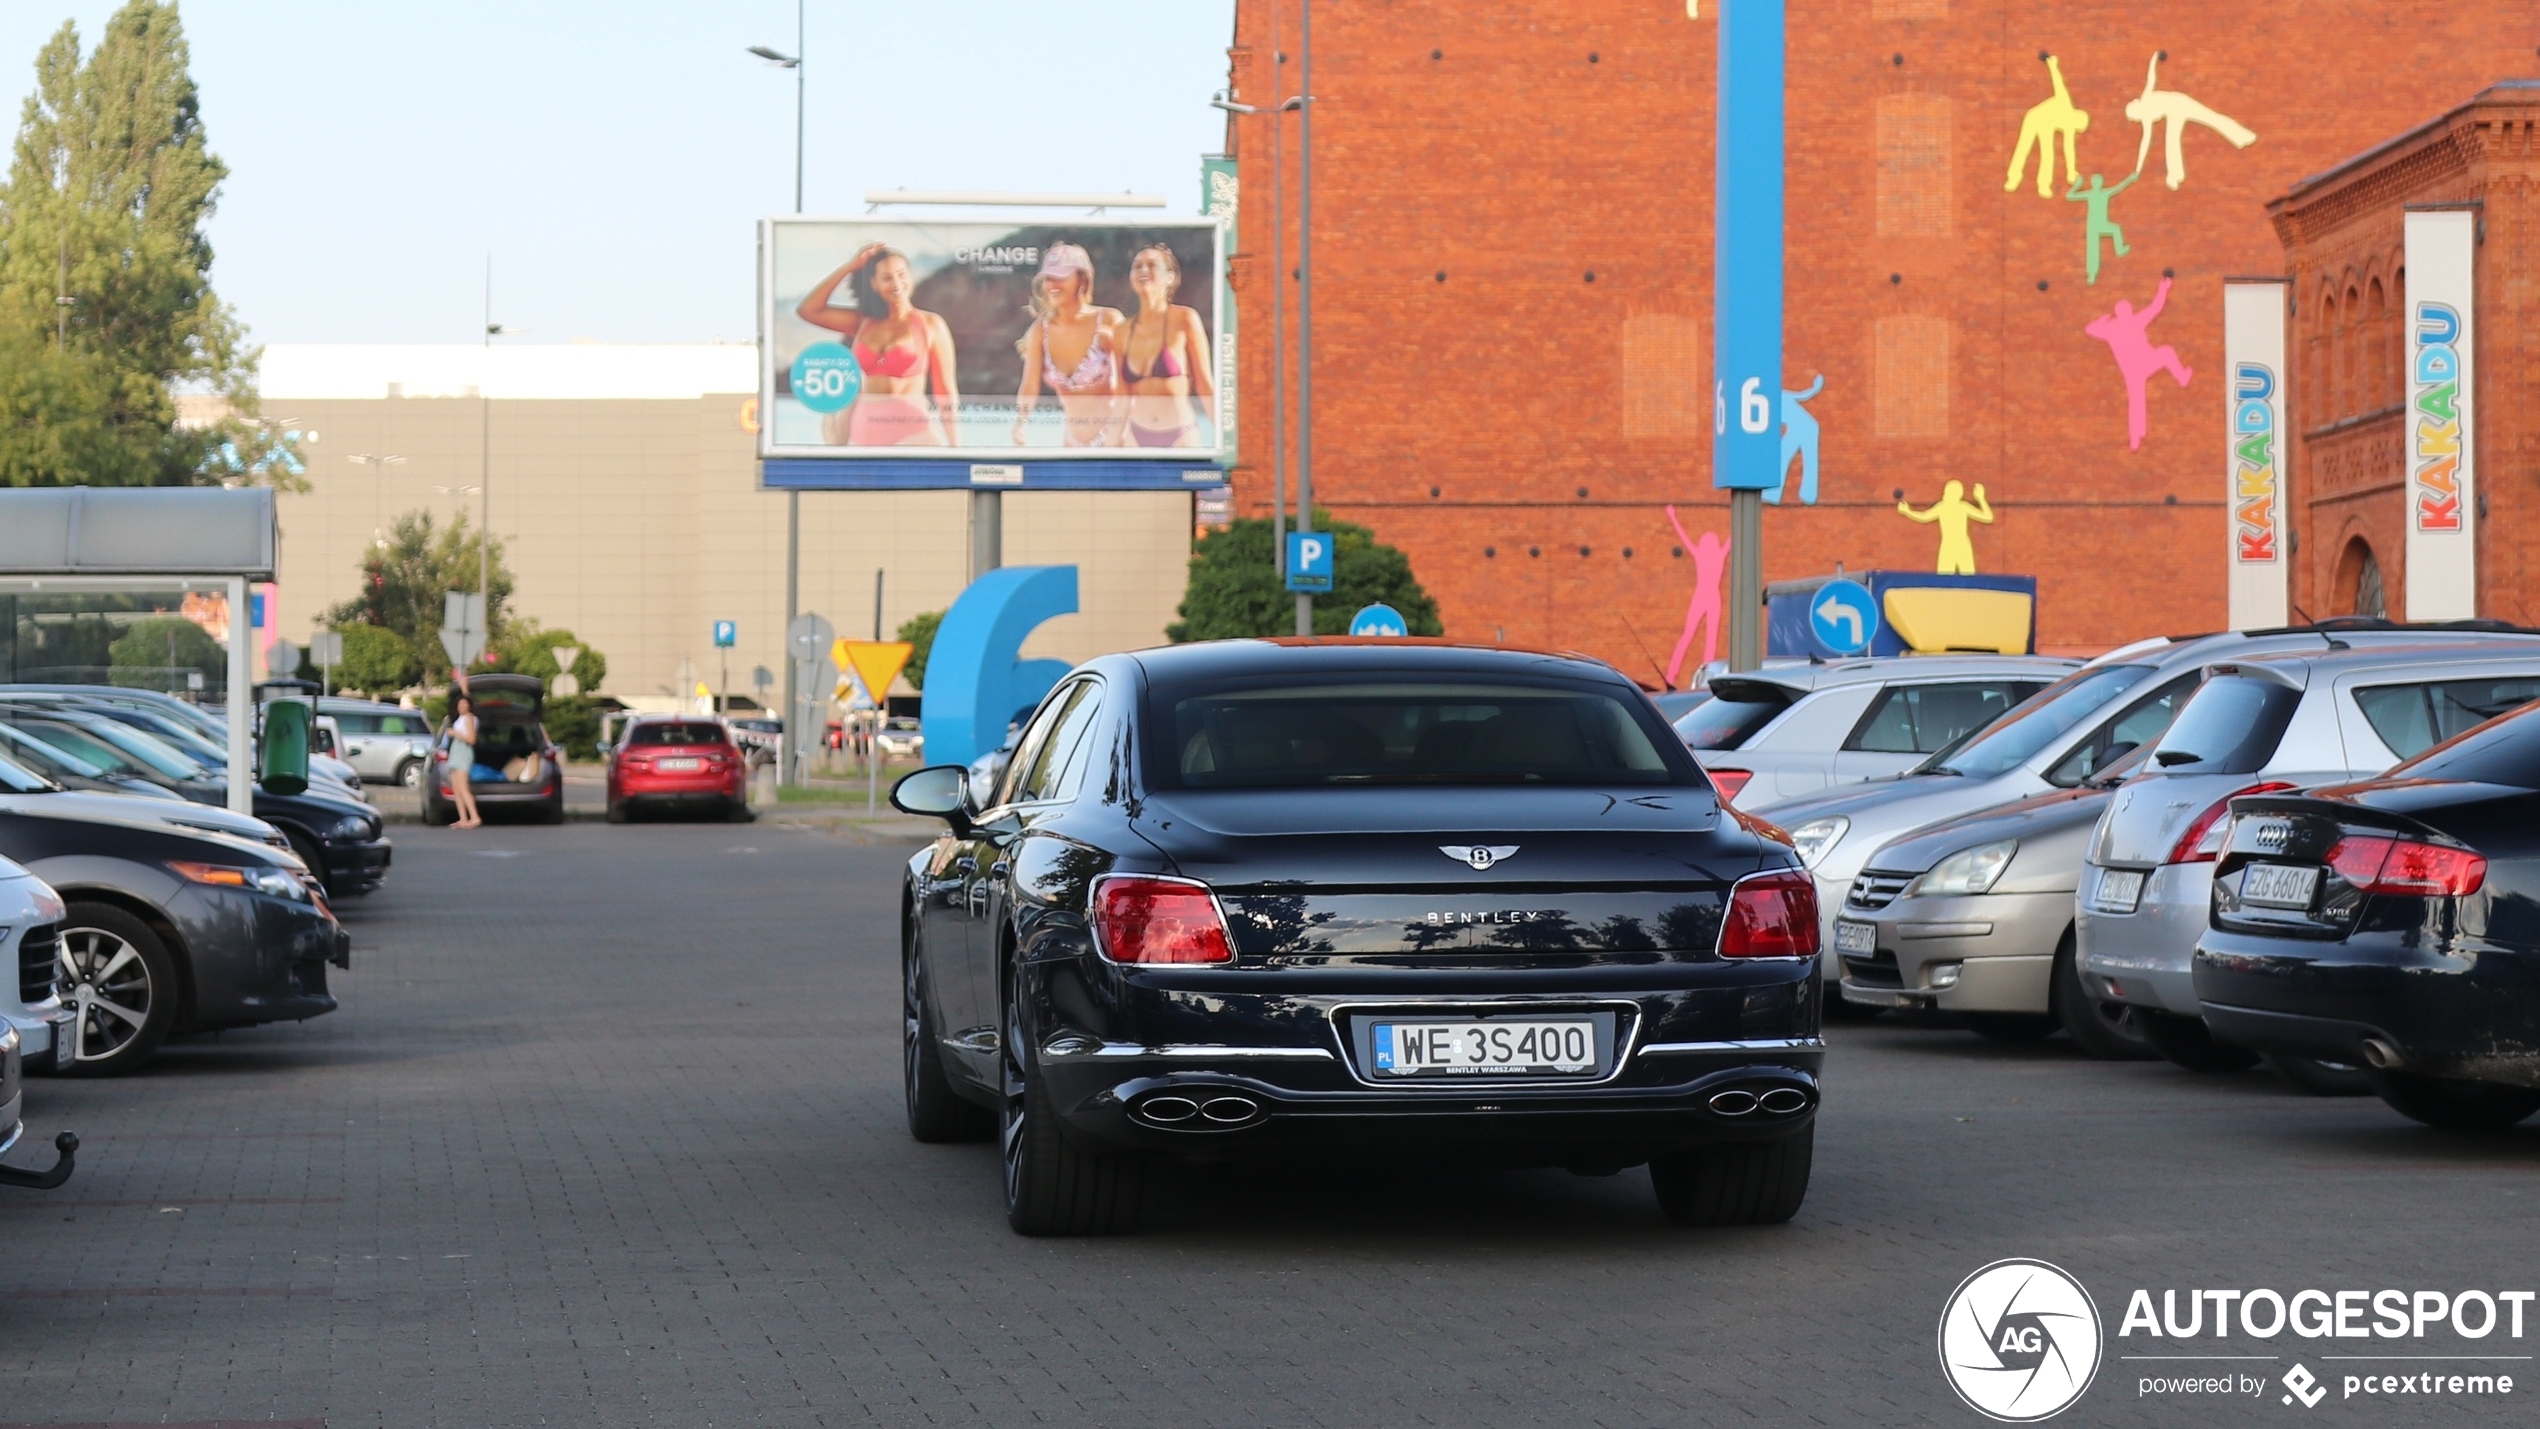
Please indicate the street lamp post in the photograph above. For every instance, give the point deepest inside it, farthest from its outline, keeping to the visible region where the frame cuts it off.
(791, 737)
(379, 478)
(1305, 296)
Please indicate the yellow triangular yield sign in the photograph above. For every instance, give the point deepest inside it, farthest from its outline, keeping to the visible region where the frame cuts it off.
(876, 662)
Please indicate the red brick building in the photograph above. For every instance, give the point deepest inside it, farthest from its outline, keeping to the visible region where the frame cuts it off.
(1512, 269)
(2343, 248)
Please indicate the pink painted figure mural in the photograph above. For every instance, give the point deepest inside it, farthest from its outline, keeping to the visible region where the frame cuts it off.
(2137, 359)
(1710, 562)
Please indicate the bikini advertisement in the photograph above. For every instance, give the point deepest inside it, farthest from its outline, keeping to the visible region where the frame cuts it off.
(993, 341)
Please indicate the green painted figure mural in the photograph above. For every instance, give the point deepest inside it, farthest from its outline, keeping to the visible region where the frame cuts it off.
(2095, 221)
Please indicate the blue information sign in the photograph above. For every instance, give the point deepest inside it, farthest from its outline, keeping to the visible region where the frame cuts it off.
(1310, 561)
(727, 634)
(1746, 282)
(1844, 616)
(1379, 620)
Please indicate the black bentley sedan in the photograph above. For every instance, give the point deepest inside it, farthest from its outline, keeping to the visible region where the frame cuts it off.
(1393, 898)
(2394, 923)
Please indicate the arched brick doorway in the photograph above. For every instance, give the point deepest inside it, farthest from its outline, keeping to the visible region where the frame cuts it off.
(2359, 588)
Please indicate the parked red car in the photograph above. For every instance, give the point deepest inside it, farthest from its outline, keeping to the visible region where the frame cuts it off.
(678, 762)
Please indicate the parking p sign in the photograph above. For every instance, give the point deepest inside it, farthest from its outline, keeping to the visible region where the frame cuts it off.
(727, 633)
(1310, 561)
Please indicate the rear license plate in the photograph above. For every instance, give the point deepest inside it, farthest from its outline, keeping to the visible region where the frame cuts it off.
(681, 766)
(1851, 937)
(1484, 1049)
(2118, 891)
(2278, 885)
(65, 1045)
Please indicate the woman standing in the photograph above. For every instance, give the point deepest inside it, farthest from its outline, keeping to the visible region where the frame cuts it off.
(462, 763)
(1073, 348)
(903, 354)
(1164, 359)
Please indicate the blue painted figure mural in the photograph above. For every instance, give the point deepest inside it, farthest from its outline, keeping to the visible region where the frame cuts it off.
(974, 683)
(1799, 439)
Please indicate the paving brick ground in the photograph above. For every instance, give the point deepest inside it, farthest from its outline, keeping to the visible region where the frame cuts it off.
(608, 1133)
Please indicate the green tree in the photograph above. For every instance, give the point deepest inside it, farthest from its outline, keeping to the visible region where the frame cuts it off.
(106, 302)
(919, 630)
(1235, 591)
(155, 654)
(376, 661)
(404, 582)
(530, 649)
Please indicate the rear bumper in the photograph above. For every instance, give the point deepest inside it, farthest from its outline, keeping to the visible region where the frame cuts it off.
(2146, 958)
(2460, 1010)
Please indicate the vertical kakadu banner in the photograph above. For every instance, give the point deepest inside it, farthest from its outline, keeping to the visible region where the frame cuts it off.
(2442, 489)
(2253, 352)
(1220, 194)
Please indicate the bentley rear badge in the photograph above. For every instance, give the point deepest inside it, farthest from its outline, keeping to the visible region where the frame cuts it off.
(1480, 856)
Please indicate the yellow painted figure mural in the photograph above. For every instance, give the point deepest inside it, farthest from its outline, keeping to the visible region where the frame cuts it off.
(1952, 512)
(2049, 120)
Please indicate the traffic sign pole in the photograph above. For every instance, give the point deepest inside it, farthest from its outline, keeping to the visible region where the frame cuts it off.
(1746, 302)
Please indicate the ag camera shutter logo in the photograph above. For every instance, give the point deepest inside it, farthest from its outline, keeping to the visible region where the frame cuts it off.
(2020, 1341)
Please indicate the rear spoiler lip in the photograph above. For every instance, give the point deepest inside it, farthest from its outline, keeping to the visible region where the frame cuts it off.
(2335, 802)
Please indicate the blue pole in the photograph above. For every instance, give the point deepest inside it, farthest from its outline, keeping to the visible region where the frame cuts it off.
(1746, 301)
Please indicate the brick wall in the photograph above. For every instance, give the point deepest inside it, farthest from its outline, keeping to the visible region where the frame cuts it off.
(1512, 283)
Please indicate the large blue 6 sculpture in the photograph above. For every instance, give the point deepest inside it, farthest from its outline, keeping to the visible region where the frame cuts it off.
(974, 682)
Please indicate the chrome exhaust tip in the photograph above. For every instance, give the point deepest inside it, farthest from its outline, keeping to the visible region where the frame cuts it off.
(1230, 1111)
(1782, 1101)
(2381, 1054)
(1167, 1111)
(1734, 1102)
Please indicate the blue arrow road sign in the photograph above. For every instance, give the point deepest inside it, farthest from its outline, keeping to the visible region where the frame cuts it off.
(1844, 617)
(1309, 560)
(727, 634)
(1379, 620)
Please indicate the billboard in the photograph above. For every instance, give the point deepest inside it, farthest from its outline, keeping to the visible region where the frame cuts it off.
(2442, 533)
(2253, 481)
(994, 340)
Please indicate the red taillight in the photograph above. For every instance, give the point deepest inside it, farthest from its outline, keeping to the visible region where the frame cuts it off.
(2203, 841)
(1771, 915)
(1141, 919)
(2377, 863)
(1729, 781)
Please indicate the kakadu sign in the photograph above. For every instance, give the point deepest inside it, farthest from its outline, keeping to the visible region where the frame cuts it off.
(2253, 352)
(2442, 491)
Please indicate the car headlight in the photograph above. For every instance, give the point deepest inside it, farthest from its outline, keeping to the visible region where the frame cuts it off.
(1968, 871)
(1814, 837)
(280, 883)
(351, 826)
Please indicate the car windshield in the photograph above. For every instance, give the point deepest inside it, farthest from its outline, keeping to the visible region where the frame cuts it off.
(148, 749)
(48, 757)
(1411, 732)
(674, 733)
(2012, 740)
(16, 778)
(110, 762)
(2505, 750)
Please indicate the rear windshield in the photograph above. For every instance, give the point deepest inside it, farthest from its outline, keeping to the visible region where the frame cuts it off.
(1732, 715)
(1410, 732)
(2010, 741)
(675, 734)
(2506, 751)
(2413, 718)
(2231, 726)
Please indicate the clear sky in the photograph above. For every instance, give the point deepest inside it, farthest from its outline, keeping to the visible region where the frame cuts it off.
(614, 157)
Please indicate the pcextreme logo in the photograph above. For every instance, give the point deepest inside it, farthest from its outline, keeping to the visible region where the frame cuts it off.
(2019, 1341)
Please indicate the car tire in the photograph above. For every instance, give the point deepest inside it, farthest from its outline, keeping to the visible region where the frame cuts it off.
(2011, 1026)
(94, 938)
(2319, 1077)
(552, 812)
(410, 774)
(1745, 1183)
(2089, 1021)
(1053, 1187)
(2453, 1105)
(436, 813)
(308, 852)
(936, 1113)
(739, 813)
(617, 811)
(2191, 1044)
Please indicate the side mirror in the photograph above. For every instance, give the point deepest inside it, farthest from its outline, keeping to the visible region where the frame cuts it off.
(282, 765)
(940, 792)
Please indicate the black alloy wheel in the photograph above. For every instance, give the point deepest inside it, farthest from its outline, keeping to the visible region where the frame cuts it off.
(1052, 1187)
(2454, 1106)
(2191, 1044)
(1745, 1183)
(2318, 1076)
(2110, 1031)
(936, 1113)
(119, 981)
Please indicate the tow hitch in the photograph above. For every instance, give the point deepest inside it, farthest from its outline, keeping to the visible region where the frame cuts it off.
(68, 1144)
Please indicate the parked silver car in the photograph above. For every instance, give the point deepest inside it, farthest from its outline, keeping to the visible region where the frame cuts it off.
(2081, 725)
(386, 744)
(30, 929)
(1791, 730)
(1974, 916)
(2260, 725)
